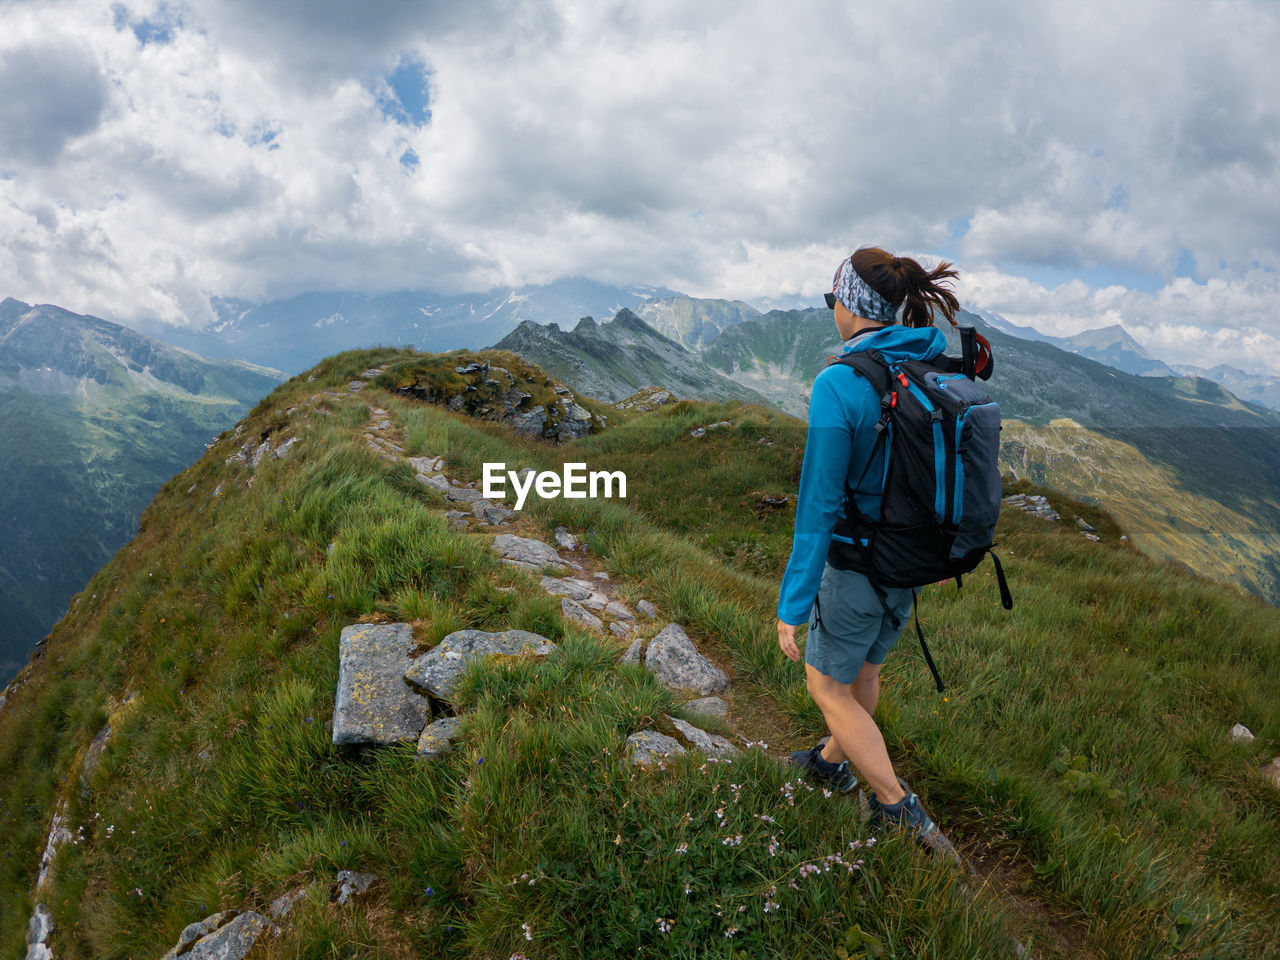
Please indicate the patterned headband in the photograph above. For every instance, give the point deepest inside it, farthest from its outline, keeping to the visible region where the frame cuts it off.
(851, 290)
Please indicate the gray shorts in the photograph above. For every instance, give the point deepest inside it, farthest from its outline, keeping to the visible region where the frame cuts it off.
(848, 626)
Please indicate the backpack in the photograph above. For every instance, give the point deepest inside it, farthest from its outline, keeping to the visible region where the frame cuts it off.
(940, 430)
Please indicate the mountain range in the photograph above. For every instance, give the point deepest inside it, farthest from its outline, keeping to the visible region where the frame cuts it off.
(94, 417)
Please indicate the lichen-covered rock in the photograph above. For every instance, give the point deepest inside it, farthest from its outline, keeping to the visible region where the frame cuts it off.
(437, 737)
(616, 608)
(575, 612)
(491, 513)
(634, 652)
(351, 883)
(526, 552)
(222, 938)
(709, 705)
(564, 587)
(647, 609)
(283, 905)
(373, 702)
(711, 744)
(622, 628)
(650, 746)
(427, 465)
(566, 539)
(676, 662)
(440, 668)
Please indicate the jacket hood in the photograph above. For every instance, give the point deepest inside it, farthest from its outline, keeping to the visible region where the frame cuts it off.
(897, 342)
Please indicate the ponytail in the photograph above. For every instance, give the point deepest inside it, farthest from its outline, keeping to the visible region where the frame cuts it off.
(902, 280)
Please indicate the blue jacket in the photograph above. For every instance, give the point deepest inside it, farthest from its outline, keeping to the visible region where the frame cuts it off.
(843, 410)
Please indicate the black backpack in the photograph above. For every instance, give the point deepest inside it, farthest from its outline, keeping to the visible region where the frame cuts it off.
(940, 430)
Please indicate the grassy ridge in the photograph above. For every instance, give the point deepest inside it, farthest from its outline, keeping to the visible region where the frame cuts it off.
(1082, 740)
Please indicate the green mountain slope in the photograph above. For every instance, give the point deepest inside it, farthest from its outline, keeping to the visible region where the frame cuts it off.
(614, 359)
(1080, 758)
(93, 419)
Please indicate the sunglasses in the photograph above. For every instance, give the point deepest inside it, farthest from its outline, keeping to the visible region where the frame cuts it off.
(831, 301)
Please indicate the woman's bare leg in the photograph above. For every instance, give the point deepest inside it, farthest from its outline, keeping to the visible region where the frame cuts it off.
(855, 733)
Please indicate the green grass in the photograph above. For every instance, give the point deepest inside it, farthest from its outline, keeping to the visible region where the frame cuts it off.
(1082, 739)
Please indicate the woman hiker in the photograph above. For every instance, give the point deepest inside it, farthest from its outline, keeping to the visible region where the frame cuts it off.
(850, 633)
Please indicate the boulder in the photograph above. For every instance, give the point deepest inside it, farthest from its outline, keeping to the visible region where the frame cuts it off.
(355, 385)
(615, 608)
(427, 465)
(1241, 734)
(373, 702)
(440, 668)
(217, 938)
(564, 587)
(676, 662)
(437, 737)
(438, 482)
(634, 652)
(647, 609)
(462, 495)
(594, 601)
(491, 512)
(650, 746)
(574, 612)
(711, 744)
(351, 883)
(526, 552)
(709, 705)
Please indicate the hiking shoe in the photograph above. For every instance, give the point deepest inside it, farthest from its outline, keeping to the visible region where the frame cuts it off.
(909, 814)
(838, 775)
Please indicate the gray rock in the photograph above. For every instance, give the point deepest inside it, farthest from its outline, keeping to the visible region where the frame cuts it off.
(440, 668)
(595, 601)
(621, 628)
(469, 368)
(58, 835)
(650, 746)
(491, 512)
(352, 883)
(217, 491)
(600, 575)
(261, 451)
(427, 465)
(635, 652)
(355, 385)
(709, 705)
(1091, 536)
(38, 931)
(1083, 524)
(647, 609)
(565, 538)
(1241, 734)
(711, 744)
(526, 552)
(283, 905)
(698, 432)
(373, 703)
(462, 495)
(438, 482)
(559, 587)
(616, 608)
(1272, 772)
(282, 452)
(222, 937)
(437, 737)
(201, 928)
(459, 523)
(371, 372)
(574, 612)
(676, 662)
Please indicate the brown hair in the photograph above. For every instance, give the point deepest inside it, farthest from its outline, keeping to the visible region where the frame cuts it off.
(901, 278)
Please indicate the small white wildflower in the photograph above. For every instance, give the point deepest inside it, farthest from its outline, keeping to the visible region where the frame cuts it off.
(731, 931)
(528, 931)
(664, 924)
(682, 848)
(826, 792)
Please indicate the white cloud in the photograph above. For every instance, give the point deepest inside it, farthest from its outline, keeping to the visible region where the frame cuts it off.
(725, 149)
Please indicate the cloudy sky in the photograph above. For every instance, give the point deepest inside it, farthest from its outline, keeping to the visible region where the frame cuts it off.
(1083, 164)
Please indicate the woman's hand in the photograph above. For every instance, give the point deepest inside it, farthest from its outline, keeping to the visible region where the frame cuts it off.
(787, 640)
